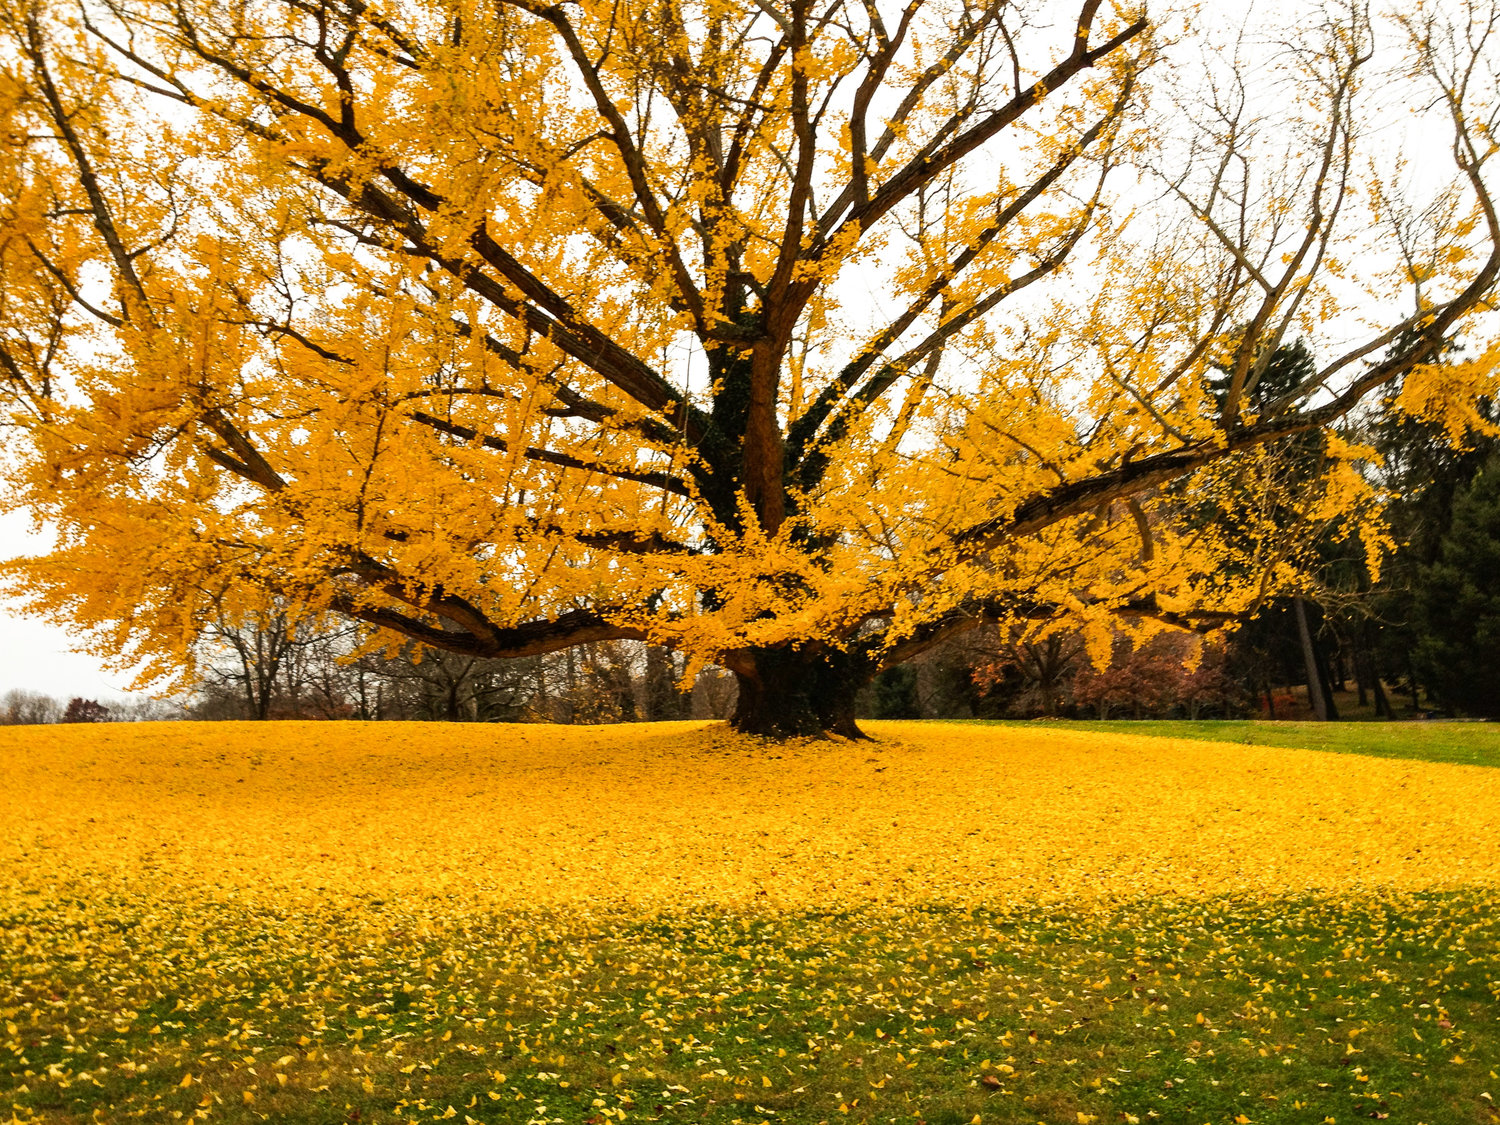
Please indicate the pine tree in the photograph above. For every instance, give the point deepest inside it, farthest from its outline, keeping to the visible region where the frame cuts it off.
(1457, 602)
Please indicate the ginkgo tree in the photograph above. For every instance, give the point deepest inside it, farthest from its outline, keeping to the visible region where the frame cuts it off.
(796, 336)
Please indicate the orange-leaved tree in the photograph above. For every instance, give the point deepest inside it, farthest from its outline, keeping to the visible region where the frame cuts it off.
(793, 335)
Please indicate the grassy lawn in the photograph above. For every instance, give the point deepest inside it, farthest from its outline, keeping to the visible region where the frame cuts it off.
(1475, 744)
(1294, 1011)
(335, 923)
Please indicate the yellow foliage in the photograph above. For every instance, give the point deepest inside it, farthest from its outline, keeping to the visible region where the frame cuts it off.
(505, 327)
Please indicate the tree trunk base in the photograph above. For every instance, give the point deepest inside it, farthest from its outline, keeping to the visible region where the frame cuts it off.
(799, 694)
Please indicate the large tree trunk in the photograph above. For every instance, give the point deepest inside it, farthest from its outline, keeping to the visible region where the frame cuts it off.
(799, 692)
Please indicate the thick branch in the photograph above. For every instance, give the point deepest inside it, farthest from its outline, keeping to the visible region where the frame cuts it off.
(632, 158)
(540, 308)
(662, 480)
(926, 167)
(533, 638)
(802, 432)
(991, 611)
(1133, 477)
(104, 220)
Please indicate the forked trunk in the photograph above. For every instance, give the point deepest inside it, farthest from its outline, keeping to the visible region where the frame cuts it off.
(794, 693)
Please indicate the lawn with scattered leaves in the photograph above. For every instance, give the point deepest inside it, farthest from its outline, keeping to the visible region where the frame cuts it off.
(1460, 742)
(386, 923)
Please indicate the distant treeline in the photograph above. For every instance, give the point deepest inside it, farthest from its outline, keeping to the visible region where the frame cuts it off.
(26, 708)
(273, 671)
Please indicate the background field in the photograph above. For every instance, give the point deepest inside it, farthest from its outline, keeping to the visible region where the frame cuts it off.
(347, 922)
(1465, 743)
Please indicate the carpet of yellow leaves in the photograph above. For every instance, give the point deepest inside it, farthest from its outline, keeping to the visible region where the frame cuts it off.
(688, 816)
(550, 925)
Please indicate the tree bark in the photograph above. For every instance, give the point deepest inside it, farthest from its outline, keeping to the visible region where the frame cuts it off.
(1317, 686)
(1326, 678)
(798, 693)
(1382, 704)
(660, 697)
(1372, 674)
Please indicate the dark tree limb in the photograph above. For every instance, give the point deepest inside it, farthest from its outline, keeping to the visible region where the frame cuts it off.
(532, 638)
(662, 480)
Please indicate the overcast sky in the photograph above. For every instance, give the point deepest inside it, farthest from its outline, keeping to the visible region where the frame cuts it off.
(34, 654)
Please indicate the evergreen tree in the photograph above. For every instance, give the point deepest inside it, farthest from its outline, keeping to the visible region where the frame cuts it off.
(1424, 474)
(1457, 603)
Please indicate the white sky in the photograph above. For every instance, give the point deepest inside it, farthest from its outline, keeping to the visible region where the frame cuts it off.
(35, 655)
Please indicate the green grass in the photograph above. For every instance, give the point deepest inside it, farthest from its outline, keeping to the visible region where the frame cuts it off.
(1272, 1012)
(1471, 744)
